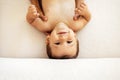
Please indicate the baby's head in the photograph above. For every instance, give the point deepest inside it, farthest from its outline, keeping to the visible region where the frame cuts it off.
(62, 43)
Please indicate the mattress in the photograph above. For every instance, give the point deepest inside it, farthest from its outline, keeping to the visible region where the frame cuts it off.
(51, 69)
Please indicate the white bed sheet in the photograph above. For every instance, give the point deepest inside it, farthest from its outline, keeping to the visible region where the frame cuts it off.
(70, 69)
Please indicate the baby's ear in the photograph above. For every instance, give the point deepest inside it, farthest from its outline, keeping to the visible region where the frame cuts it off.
(47, 39)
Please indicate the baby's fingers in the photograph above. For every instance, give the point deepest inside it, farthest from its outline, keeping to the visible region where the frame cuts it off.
(82, 4)
(32, 8)
(78, 10)
(33, 12)
(76, 16)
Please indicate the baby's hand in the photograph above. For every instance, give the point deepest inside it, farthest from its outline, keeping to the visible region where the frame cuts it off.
(32, 14)
(81, 10)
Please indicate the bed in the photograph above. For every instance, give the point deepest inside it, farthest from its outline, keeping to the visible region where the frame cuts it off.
(50, 69)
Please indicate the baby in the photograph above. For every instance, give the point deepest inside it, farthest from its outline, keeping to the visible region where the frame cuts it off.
(60, 19)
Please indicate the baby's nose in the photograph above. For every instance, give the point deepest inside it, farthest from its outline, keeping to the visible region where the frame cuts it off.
(62, 37)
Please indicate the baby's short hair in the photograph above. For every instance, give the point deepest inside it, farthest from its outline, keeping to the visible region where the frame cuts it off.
(49, 53)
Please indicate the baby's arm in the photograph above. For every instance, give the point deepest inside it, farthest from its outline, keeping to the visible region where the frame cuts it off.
(82, 14)
(81, 10)
(39, 9)
(33, 18)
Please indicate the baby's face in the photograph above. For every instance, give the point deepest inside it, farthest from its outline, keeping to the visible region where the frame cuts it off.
(63, 41)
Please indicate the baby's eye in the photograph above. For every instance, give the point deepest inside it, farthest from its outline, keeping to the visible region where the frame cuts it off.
(57, 43)
(69, 42)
